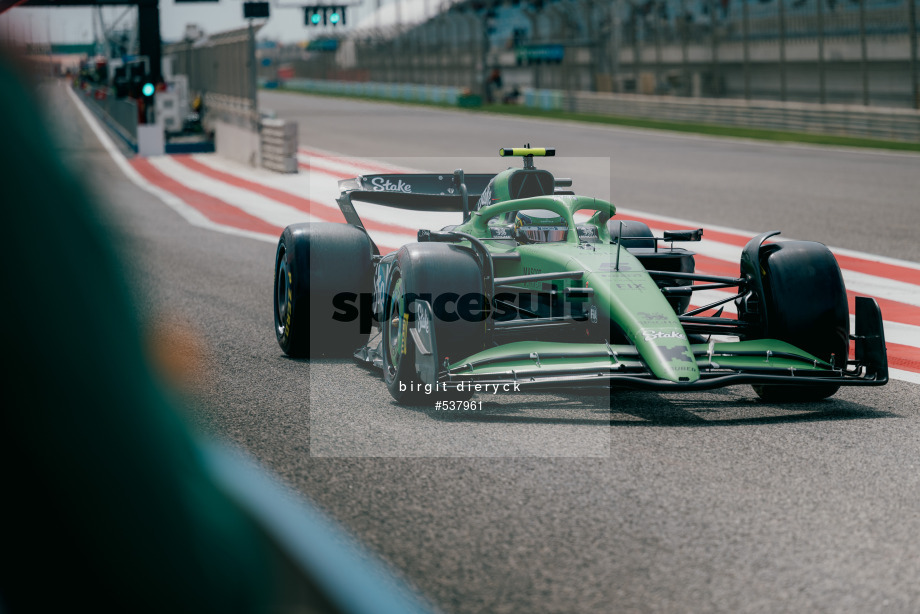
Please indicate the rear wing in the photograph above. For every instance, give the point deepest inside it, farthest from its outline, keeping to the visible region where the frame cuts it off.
(448, 192)
(415, 192)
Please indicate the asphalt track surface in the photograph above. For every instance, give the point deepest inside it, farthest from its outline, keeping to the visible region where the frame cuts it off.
(709, 502)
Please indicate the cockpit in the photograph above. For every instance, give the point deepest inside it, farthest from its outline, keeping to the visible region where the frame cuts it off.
(539, 226)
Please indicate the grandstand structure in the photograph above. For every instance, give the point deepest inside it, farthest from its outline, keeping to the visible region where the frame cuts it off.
(861, 52)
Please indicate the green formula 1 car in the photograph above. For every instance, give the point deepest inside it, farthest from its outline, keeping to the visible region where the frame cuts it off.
(520, 295)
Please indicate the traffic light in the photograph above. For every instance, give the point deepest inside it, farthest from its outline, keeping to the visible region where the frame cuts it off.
(324, 15)
(148, 89)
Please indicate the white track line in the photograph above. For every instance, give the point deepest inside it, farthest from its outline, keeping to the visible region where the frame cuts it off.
(861, 283)
(364, 165)
(251, 202)
(189, 213)
(895, 332)
(904, 376)
(745, 234)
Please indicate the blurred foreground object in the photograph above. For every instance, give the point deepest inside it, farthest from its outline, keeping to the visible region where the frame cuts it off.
(109, 503)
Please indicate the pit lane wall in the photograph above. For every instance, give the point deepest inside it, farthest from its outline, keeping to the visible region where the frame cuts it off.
(119, 114)
(846, 120)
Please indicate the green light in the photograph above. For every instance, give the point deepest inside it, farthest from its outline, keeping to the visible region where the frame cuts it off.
(148, 89)
(315, 18)
(334, 18)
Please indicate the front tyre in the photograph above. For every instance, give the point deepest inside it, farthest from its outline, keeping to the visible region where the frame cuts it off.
(805, 303)
(441, 275)
(399, 349)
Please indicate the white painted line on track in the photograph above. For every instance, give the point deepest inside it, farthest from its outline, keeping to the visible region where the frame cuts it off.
(189, 213)
(861, 283)
(253, 203)
(745, 235)
(315, 163)
(295, 184)
(363, 165)
(904, 376)
(881, 287)
(895, 332)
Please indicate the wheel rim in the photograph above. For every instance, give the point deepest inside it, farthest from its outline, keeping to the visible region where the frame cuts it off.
(394, 323)
(282, 293)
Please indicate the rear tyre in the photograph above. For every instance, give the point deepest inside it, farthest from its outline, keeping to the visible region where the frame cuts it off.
(806, 305)
(314, 263)
(631, 228)
(441, 274)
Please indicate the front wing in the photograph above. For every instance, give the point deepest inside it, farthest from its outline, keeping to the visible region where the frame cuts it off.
(544, 364)
(553, 365)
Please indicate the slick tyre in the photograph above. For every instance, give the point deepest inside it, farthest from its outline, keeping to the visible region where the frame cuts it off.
(441, 274)
(315, 263)
(806, 305)
(639, 235)
(632, 230)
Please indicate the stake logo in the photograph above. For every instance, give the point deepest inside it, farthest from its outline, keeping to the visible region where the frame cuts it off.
(424, 321)
(485, 199)
(650, 334)
(381, 184)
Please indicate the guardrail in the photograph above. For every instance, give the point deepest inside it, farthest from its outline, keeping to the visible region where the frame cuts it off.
(836, 119)
(120, 114)
(847, 120)
(407, 92)
(234, 110)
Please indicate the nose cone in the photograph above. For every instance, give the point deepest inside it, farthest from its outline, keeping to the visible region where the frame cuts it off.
(667, 352)
(636, 304)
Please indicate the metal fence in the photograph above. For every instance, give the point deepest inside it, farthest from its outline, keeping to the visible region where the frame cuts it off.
(219, 69)
(824, 51)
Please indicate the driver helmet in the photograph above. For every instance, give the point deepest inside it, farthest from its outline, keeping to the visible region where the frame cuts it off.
(540, 226)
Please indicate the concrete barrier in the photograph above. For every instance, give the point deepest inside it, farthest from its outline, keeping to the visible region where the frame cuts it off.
(237, 143)
(151, 140)
(279, 145)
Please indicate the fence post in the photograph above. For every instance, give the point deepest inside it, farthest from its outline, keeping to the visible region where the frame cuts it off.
(822, 88)
(782, 50)
(253, 79)
(657, 21)
(714, 39)
(746, 44)
(912, 28)
(863, 62)
(684, 51)
(534, 36)
(634, 20)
